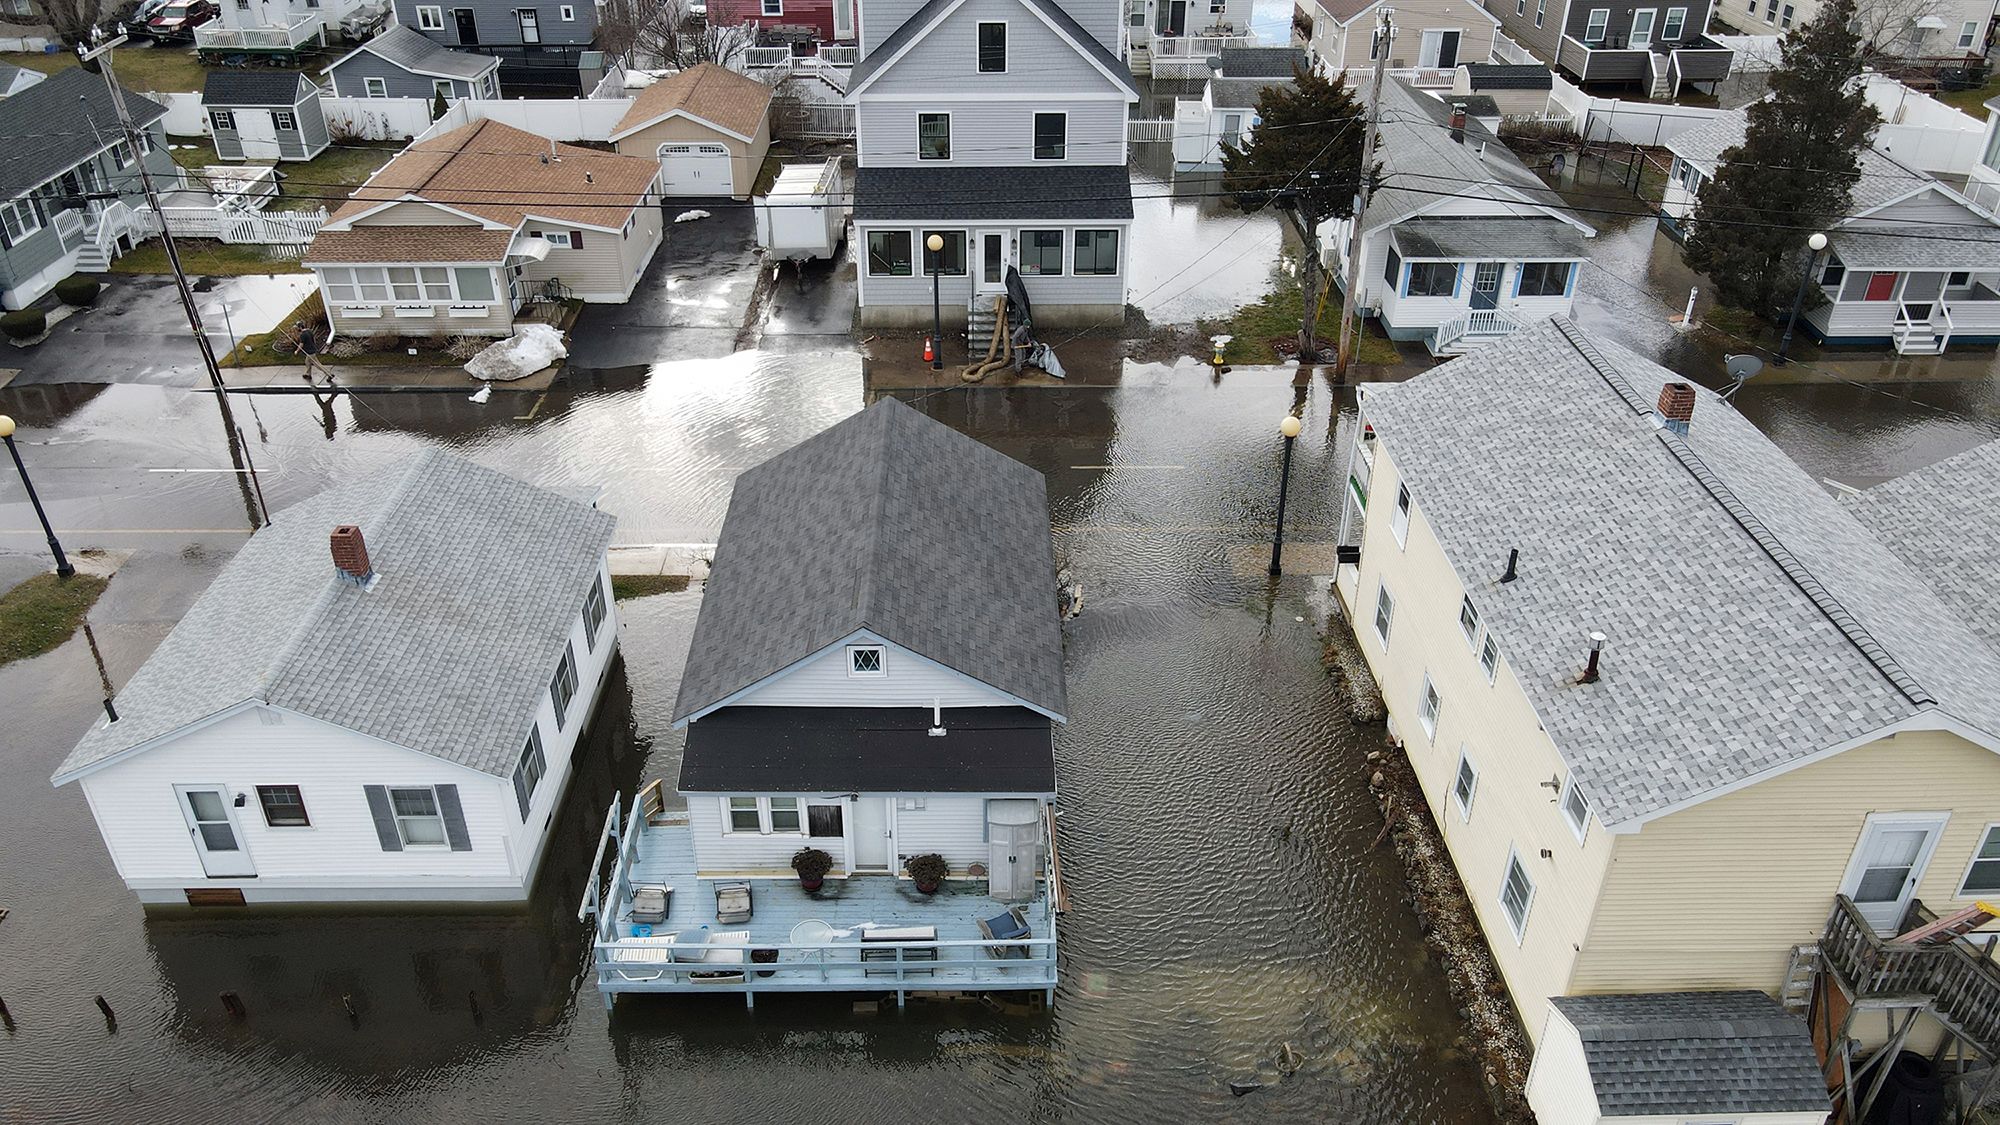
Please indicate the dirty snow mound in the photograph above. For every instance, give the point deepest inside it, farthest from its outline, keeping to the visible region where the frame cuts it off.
(690, 216)
(531, 348)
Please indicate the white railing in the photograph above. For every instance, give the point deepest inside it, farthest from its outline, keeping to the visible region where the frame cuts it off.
(766, 58)
(212, 36)
(1505, 50)
(228, 224)
(70, 228)
(830, 966)
(831, 65)
(1198, 47)
(815, 121)
(116, 221)
(1160, 130)
(1491, 323)
(1925, 335)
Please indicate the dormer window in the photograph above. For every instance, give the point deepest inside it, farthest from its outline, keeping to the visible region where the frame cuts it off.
(864, 660)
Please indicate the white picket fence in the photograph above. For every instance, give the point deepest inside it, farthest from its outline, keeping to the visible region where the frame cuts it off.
(227, 224)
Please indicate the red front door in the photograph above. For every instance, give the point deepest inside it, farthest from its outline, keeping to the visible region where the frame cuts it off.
(1880, 286)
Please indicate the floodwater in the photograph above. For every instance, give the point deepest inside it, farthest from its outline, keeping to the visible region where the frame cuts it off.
(1226, 901)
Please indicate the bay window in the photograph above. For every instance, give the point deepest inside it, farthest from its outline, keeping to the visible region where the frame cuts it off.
(405, 284)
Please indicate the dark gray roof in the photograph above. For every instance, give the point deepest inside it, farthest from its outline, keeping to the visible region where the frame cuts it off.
(893, 523)
(1055, 191)
(1475, 105)
(1881, 179)
(869, 750)
(1503, 76)
(1260, 62)
(481, 578)
(1945, 522)
(1509, 239)
(1943, 246)
(1240, 93)
(1679, 1053)
(1422, 166)
(1753, 621)
(52, 126)
(400, 46)
(875, 60)
(242, 86)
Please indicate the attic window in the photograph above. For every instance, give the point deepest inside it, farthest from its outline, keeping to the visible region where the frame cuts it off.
(864, 660)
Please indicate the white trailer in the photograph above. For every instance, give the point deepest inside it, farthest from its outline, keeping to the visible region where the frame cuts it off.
(805, 216)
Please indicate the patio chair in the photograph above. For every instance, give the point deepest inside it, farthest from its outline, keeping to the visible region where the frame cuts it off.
(732, 903)
(650, 902)
(1011, 925)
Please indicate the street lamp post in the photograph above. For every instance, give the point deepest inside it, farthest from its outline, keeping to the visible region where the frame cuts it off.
(935, 244)
(1290, 429)
(63, 569)
(1816, 243)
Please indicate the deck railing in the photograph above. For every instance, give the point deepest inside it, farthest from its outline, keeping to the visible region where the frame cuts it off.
(1964, 986)
(212, 36)
(828, 966)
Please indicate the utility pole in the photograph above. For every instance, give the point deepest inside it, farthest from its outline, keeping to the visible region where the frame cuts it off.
(100, 53)
(1350, 306)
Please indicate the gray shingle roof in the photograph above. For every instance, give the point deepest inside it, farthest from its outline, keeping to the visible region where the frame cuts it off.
(1752, 620)
(245, 87)
(910, 28)
(1422, 165)
(52, 126)
(1260, 62)
(890, 522)
(407, 49)
(1490, 237)
(1882, 178)
(1945, 522)
(1943, 246)
(481, 578)
(1240, 93)
(1502, 76)
(1056, 191)
(1678, 1053)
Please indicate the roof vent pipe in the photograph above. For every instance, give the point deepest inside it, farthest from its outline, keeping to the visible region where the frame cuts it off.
(110, 711)
(937, 720)
(1596, 650)
(1677, 407)
(1513, 561)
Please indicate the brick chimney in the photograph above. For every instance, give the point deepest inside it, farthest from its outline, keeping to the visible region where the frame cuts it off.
(350, 555)
(1458, 123)
(1677, 406)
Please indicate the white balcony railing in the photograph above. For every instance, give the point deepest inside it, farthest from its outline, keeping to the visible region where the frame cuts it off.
(1200, 47)
(212, 36)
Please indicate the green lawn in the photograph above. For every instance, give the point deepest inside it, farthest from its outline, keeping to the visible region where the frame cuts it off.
(1253, 327)
(165, 70)
(324, 181)
(644, 585)
(1973, 101)
(204, 256)
(42, 612)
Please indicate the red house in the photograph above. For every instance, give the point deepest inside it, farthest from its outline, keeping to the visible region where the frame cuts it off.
(816, 16)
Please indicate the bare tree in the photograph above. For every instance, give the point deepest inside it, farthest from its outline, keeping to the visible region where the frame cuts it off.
(667, 33)
(1890, 31)
(71, 19)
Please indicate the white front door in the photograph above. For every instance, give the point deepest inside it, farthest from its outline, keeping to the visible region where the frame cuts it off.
(692, 169)
(871, 834)
(257, 130)
(1438, 50)
(1888, 863)
(994, 258)
(211, 825)
(1642, 28)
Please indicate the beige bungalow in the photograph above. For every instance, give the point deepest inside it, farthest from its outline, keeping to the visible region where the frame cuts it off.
(1433, 36)
(1683, 720)
(709, 128)
(434, 245)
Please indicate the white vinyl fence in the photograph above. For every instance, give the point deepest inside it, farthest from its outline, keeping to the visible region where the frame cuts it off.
(567, 119)
(185, 116)
(228, 224)
(1610, 119)
(376, 119)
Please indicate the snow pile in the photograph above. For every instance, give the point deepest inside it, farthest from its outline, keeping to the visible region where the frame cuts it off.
(531, 348)
(690, 216)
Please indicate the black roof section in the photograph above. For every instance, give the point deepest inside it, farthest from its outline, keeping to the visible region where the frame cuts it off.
(894, 523)
(1057, 191)
(1260, 62)
(1505, 76)
(1682, 1053)
(244, 87)
(869, 750)
(54, 125)
(922, 17)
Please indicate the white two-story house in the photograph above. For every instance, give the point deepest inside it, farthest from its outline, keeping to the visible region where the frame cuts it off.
(999, 126)
(377, 700)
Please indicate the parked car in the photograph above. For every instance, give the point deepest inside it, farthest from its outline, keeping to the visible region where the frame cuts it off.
(135, 23)
(179, 18)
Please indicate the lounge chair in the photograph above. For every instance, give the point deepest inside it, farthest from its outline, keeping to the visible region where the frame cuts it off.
(732, 903)
(654, 950)
(650, 903)
(1011, 925)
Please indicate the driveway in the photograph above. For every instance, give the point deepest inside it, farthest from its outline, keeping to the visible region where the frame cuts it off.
(692, 301)
(138, 333)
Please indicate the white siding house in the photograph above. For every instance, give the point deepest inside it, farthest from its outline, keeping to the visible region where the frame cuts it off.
(364, 706)
(998, 125)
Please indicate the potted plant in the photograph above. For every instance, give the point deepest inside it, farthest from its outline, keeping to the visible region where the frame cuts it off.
(927, 871)
(812, 865)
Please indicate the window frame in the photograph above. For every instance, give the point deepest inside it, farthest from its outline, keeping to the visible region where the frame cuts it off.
(1965, 890)
(951, 238)
(264, 794)
(1097, 253)
(931, 117)
(1518, 926)
(1522, 289)
(1460, 779)
(1471, 630)
(1392, 268)
(430, 17)
(1597, 25)
(1430, 707)
(1400, 516)
(222, 119)
(22, 213)
(1029, 241)
(1579, 826)
(529, 770)
(284, 121)
(772, 8)
(763, 809)
(854, 655)
(595, 610)
(979, 47)
(436, 813)
(1490, 666)
(1541, 11)
(1061, 146)
(444, 88)
(1385, 613)
(375, 87)
(566, 13)
(1676, 20)
(562, 685)
(1429, 271)
(1968, 35)
(909, 260)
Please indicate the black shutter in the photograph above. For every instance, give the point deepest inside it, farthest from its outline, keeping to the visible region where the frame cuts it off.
(454, 818)
(385, 818)
(576, 240)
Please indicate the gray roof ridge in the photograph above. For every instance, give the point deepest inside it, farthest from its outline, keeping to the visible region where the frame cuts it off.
(1822, 599)
(878, 498)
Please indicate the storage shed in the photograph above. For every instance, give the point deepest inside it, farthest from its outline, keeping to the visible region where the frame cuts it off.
(708, 127)
(264, 115)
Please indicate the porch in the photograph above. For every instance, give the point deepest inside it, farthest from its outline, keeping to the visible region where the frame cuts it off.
(1460, 283)
(855, 934)
(1186, 56)
(306, 34)
(1917, 297)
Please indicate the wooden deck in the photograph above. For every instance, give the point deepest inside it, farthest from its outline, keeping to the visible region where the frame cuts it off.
(959, 959)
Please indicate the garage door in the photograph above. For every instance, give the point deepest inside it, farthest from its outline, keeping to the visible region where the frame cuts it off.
(695, 169)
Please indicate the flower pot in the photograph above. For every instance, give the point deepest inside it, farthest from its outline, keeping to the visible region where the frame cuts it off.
(928, 888)
(764, 957)
(806, 884)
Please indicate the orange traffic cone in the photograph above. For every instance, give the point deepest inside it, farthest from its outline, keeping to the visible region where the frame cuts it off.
(930, 350)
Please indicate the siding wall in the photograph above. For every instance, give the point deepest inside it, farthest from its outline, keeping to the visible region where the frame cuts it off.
(950, 825)
(24, 263)
(953, 827)
(348, 79)
(1559, 1088)
(1038, 60)
(1497, 727)
(907, 681)
(745, 160)
(1052, 291)
(601, 271)
(1348, 49)
(1520, 26)
(414, 215)
(498, 321)
(989, 132)
(815, 14)
(879, 19)
(496, 24)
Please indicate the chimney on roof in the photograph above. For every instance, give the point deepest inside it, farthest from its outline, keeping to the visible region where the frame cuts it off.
(1458, 123)
(1677, 407)
(350, 555)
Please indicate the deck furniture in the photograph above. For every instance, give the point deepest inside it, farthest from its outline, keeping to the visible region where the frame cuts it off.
(812, 931)
(650, 903)
(650, 950)
(689, 945)
(878, 935)
(724, 949)
(1012, 924)
(732, 903)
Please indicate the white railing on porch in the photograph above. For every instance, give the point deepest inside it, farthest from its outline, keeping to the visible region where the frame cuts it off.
(227, 224)
(1141, 130)
(1198, 47)
(1490, 323)
(832, 64)
(212, 36)
(1922, 335)
(70, 228)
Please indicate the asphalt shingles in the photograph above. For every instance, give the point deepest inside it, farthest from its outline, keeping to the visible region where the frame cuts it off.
(1679, 1053)
(56, 124)
(1944, 521)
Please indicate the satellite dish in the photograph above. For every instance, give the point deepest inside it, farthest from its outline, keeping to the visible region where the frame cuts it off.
(1740, 369)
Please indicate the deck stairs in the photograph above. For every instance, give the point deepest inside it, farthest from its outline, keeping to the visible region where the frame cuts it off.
(1659, 75)
(979, 321)
(1800, 971)
(1470, 331)
(1922, 330)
